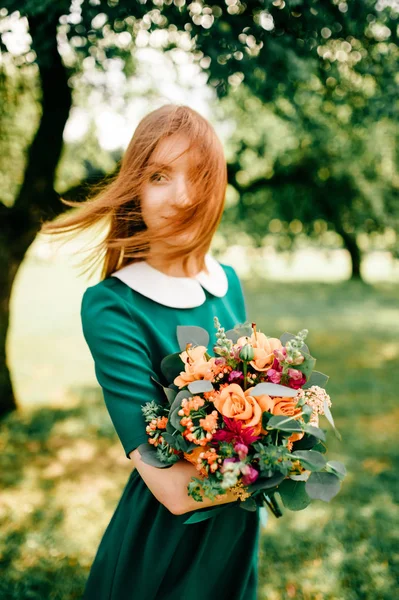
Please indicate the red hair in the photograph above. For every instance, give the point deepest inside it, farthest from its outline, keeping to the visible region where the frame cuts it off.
(117, 202)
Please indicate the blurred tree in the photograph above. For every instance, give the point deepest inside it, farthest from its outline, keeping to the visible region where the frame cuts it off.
(277, 48)
(318, 168)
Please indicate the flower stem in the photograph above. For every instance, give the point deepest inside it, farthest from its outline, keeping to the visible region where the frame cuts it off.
(272, 503)
(245, 368)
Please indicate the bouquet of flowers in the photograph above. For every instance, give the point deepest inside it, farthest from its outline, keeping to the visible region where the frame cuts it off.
(246, 417)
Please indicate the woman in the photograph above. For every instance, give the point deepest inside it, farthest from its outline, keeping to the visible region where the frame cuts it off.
(162, 210)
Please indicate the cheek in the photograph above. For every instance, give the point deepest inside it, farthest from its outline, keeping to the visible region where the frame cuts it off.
(153, 205)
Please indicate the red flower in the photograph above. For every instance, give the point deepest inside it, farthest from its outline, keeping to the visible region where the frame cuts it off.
(234, 432)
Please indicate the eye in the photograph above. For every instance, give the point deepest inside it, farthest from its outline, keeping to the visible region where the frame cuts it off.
(157, 176)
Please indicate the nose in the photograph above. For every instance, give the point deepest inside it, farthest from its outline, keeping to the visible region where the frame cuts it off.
(181, 190)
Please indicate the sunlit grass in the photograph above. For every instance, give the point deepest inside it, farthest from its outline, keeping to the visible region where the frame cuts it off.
(62, 469)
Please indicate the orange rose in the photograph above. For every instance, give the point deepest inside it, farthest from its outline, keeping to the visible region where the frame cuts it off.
(234, 403)
(287, 406)
(263, 349)
(196, 366)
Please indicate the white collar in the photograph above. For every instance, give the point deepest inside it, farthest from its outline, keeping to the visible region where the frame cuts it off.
(176, 292)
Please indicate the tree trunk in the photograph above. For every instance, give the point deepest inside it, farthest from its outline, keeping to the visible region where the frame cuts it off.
(37, 199)
(354, 251)
(7, 274)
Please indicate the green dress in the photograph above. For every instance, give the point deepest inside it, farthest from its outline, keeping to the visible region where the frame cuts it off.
(146, 552)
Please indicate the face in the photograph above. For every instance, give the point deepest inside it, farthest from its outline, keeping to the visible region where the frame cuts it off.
(167, 185)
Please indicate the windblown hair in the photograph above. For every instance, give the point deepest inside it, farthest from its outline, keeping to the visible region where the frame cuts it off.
(117, 201)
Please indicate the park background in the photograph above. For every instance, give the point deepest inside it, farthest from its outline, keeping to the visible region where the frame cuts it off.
(304, 96)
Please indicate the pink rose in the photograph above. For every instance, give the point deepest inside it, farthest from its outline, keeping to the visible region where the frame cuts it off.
(250, 475)
(242, 450)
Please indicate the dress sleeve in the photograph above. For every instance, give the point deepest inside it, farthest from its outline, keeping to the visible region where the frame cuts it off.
(122, 362)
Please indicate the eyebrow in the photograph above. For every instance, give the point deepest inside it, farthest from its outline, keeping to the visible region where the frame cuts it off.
(160, 165)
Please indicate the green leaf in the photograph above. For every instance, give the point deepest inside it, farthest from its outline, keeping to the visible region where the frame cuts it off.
(169, 426)
(200, 386)
(294, 494)
(265, 483)
(203, 515)
(338, 468)
(283, 423)
(191, 446)
(240, 330)
(249, 504)
(171, 366)
(316, 378)
(169, 392)
(191, 334)
(330, 419)
(289, 336)
(306, 443)
(179, 397)
(307, 366)
(316, 431)
(266, 416)
(307, 412)
(322, 486)
(149, 455)
(273, 389)
(319, 447)
(175, 418)
(314, 461)
(172, 440)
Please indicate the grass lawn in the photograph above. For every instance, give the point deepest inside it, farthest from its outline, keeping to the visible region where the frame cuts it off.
(62, 469)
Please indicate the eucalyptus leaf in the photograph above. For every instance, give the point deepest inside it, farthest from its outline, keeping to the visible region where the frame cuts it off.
(322, 486)
(320, 447)
(171, 366)
(307, 366)
(175, 418)
(232, 335)
(249, 504)
(316, 378)
(312, 460)
(294, 494)
(240, 330)
(283, 423)
(200, 386)
(191, 334)
(169, 392)
(184, 445)
(337, 467)
(148, 455)
(316, 431)
(172, 440)
(273, 389)
(169, 426)
(266, 416)
(307, 412)
(306, 443)
(289, 336)
(330, 419)
(265, 483)
(301, 477)
(202, 515)
(179, 397)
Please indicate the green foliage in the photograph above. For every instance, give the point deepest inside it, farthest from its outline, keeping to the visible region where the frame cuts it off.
(273, 458)
(198, 336)
(152, 410)
(293, 494)
(171, 366)
(322, 486)
(311, 459)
